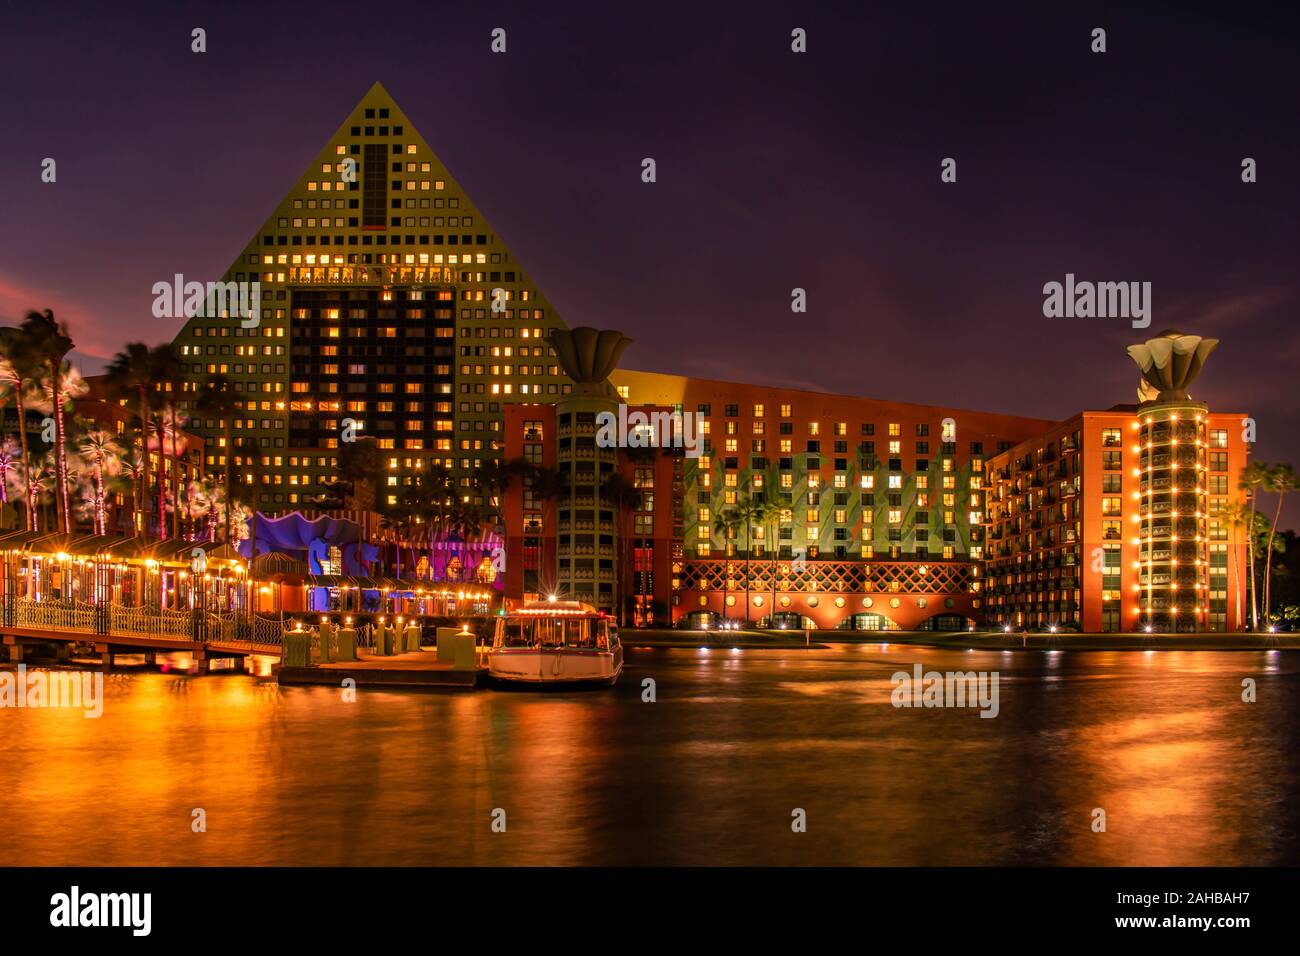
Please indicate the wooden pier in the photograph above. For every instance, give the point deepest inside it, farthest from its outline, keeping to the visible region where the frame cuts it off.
(16, 640)
(409, 670)
(121, 632)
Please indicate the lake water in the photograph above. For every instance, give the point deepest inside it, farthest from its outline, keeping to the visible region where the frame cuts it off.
(710, 773)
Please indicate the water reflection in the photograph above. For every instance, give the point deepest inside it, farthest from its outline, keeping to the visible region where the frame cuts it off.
(709, 773)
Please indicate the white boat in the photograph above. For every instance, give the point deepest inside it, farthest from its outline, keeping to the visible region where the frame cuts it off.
(556, 642)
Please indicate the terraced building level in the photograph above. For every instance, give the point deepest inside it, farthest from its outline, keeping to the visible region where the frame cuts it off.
(378, 280)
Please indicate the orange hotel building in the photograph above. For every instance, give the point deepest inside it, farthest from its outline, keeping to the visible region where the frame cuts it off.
(889, 516)
(1078, 534)
(881, 522)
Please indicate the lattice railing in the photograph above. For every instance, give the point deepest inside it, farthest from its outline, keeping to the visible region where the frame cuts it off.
(222, 628)
(55, 616)
(848, 577)
(267, 631)
(150, 622)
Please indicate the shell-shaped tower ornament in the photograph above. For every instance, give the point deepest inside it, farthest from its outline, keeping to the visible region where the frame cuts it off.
(588, 355)
(1170, 363)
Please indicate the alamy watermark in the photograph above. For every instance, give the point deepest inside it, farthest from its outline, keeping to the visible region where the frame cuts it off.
(75, 908)
(213, 300)
(1102, 300)
(638, 429)
(81, 689)
(953, 689)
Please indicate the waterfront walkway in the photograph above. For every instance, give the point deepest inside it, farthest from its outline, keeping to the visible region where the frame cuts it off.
(978, 640)
(28, 626)
(114, 630)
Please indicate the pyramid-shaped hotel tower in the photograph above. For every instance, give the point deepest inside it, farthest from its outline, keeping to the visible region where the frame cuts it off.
(377, 278)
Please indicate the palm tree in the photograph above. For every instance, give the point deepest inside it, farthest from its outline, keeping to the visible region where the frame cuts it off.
(1236, 516)
(626, 498)
(644, 459)
(99, 448)
(411, 505)
(131, 374)
(205, 503)
(467, 518)
(9, 453)
(748, 511)
(1281, 480)
(39, 486)
(19, 370)
(50, 342)
(168, 372)
(1254, 477)
(7, 389)
(127, 481)
(493, 478)
(7, 336)
(725, 523)
(545, 483)
(359, 467)
(216, 399)
(67, 432)
(248, 496)
(767, 514)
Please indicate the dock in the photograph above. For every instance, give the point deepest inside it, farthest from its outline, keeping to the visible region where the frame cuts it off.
(400, 671)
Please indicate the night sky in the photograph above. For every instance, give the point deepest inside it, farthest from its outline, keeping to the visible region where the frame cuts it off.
(775, 170)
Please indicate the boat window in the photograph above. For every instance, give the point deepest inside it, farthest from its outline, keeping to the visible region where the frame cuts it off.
(579, 633)
(516, 634)
(552, 632)
(548, 632)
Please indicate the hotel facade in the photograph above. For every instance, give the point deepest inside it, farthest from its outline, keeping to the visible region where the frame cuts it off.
(1116, 521)
(885, 515)
(388, 306)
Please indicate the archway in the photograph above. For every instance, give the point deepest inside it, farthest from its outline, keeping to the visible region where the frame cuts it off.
(867, 621)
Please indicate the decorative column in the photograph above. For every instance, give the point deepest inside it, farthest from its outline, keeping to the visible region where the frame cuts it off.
(1173, 523)
(588, 356)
